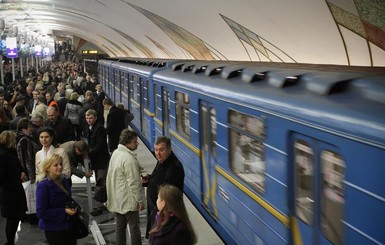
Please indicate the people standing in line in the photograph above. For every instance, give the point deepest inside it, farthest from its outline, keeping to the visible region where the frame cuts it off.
(50, 101)
(12, 200)
(41, 107)
(52, 194)
(37, 123)
(33, 102)
(168, 170)
(20, 101)
(77, 152)
(4, 120)
(26, 149)
(20, 113)
(72, 112)
(172, 224)
(62, 100)
(99, 96)
(128, 117)
(47, 139)
(125, 193)
(115, 123)
(96, 136)
(87, 105)
(61, 125)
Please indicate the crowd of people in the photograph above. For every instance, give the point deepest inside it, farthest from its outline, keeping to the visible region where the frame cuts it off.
(51, 122)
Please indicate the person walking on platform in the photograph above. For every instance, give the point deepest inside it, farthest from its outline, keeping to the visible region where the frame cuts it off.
(115, 123)
(51, 199)
(168, 170)
(172, 224)
(12, 197)
(125, 194)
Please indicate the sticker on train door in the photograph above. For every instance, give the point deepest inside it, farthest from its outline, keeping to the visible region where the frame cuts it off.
(208, 157)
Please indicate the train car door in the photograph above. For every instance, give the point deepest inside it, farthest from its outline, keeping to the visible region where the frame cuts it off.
(318, 203)
(166, 111)
(208, 135)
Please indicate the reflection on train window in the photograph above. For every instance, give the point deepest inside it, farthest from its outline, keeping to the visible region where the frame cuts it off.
(125, 84)
(303, 158)
(166, 106)
(134, 87)
(116, 81)
(182, 108)
(333, 200)
(146, 95)
(213, 122)
(155, 99)
(247, 149)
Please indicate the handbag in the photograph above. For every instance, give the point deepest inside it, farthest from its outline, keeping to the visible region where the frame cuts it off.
(80, 220)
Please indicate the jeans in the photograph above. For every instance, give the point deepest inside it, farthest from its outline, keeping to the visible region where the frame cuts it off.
(132, 218)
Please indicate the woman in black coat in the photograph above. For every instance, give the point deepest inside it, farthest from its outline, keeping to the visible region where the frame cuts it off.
(13, 200)
(172, 224)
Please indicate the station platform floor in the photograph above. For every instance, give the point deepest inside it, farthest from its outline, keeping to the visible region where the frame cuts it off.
(103, 226)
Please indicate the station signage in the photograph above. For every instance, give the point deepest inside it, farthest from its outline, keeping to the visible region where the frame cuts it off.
(11, 45)
(89, 51)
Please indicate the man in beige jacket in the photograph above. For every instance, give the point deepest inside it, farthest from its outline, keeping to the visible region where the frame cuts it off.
(125, 194)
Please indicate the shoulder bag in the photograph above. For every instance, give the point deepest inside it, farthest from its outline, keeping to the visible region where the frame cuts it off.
(80, 220)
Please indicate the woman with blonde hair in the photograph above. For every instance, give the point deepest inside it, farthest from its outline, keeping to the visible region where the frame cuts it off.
(172, 224)
(52, 202)
(12, 199)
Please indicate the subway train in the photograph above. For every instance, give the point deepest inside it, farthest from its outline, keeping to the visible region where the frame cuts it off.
(273, 153)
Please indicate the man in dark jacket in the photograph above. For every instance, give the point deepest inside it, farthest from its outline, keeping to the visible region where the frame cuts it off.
(168, 170)
(95, 133)
(61, 125)
(115, 123)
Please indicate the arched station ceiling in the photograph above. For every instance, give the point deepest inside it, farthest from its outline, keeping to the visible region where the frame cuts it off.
(345, 32)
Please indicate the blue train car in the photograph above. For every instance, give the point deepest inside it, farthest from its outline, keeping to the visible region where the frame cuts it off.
(104, 75)
(130, 82)
(278, 153)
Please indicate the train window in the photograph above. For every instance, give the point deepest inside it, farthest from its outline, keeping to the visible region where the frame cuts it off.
(116, 77)
(209, 122)
(247, 149)
(303, 159)
(333, 200)
(134, 87)
(250, 124)
(155, 99)
(182, 108)
(146, 95)
(125, 84)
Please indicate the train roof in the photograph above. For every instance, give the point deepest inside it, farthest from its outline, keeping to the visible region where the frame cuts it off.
(345, 100)
(144, 66)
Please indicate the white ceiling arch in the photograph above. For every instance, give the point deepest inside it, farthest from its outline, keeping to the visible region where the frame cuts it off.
(321, 32)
